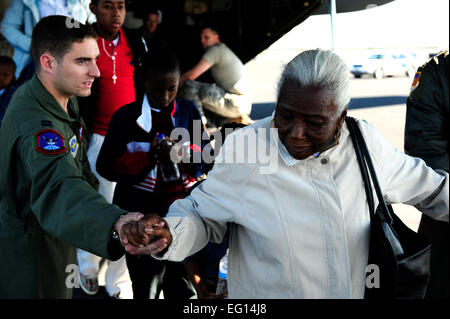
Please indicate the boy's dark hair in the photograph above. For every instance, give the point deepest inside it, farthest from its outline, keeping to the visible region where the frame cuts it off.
(160, 61)
(55, 35)
(95, 2)
(6, 60)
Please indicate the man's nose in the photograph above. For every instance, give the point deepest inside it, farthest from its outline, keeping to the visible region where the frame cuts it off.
(94, 70)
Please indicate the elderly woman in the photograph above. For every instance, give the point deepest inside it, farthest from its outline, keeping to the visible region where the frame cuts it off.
(302, 231)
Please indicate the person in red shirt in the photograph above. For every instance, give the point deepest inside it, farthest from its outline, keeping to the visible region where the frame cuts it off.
(121, 53)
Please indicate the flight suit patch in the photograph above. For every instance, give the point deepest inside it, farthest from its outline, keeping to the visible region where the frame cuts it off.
(81, 132)
(73, 146)
(415, 83)
(50, 142)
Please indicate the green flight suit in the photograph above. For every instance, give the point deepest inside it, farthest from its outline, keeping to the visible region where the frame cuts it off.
(48, 201)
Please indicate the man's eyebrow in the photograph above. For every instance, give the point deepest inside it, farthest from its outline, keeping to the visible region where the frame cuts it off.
(83, 58)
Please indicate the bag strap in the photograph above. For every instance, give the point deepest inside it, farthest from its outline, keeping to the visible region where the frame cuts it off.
(383, 212)
(364, 172)
(365, 164)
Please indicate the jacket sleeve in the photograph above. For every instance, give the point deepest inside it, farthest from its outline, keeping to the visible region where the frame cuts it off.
(12, 26)
(111, 159)
(65, 204)
(204, 215)
(426, 129)
(406, 179)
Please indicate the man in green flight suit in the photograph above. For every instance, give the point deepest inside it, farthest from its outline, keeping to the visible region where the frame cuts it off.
(48, 201)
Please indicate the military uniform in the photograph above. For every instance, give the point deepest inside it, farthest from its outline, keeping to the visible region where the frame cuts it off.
(426, 136)
(48, 199)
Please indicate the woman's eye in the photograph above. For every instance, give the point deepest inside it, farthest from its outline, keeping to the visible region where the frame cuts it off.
(286, 115)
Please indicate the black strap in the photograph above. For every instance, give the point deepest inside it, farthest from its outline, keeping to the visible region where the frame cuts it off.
(365, 174)
(365, 162)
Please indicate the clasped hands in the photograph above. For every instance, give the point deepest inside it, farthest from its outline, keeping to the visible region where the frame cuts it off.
(143, 234)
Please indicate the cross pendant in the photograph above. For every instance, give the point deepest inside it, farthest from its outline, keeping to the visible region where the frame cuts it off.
(114, 77)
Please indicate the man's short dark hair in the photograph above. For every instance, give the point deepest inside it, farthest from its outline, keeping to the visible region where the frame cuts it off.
(55, 34)
(160, 61)
(214, 29)
(150, 10)
(6, 60)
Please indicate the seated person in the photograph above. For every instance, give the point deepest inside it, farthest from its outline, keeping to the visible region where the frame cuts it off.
(130, 157)
(228, 99)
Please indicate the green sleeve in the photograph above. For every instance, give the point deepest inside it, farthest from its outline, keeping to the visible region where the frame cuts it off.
(65, 204)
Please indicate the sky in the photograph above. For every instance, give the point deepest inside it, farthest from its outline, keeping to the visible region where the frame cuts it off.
(398, 24)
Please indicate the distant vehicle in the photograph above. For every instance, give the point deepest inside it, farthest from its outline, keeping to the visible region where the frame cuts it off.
(380, 65)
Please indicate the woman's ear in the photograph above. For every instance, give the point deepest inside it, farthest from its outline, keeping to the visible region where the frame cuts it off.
(342, 118)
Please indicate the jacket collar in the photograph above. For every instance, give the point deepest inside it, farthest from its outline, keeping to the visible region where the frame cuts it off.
(144, 121)
(49, 103)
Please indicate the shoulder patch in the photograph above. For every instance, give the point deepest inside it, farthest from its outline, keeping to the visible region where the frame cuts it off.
(50, 142)
(415, 83)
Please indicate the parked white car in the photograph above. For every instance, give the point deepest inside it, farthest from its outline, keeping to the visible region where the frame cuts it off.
(380, 65)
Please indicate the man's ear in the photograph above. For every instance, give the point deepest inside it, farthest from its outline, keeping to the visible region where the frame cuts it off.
(93, 8)
(48, 63)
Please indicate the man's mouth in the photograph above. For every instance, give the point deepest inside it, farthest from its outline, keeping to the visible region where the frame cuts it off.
(87, 84)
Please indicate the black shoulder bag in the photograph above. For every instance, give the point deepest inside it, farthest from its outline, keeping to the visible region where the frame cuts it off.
(401, 254)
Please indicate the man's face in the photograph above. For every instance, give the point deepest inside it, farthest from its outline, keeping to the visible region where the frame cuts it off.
(209, 38)
(162, 89)
(151, 22)
(6, 75)
(306, 119)
(110, 15)
(76, 71)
